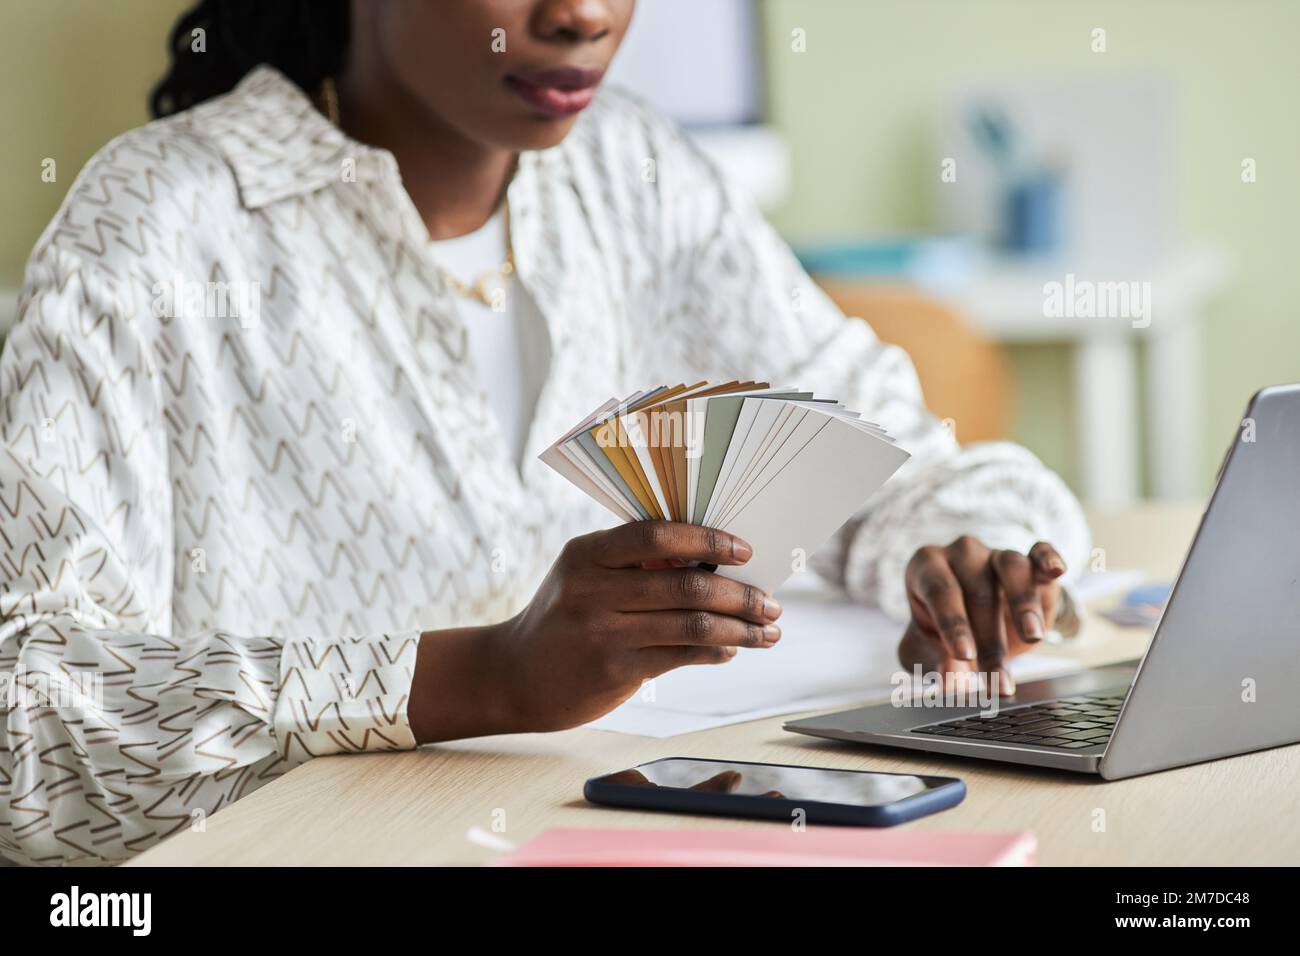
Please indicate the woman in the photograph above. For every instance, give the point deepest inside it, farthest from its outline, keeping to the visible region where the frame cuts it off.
(284, 362)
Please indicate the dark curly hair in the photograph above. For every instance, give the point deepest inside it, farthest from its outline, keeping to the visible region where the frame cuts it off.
(306, 40)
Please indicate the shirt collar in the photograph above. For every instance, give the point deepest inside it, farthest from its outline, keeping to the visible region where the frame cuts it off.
(277, 143)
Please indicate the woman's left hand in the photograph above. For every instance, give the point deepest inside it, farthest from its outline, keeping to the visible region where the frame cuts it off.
(974, 608)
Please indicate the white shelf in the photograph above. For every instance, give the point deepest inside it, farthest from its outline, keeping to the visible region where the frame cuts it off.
(1006, 300)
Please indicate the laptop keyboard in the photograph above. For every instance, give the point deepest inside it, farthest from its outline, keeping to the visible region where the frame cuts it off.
(1070, 723)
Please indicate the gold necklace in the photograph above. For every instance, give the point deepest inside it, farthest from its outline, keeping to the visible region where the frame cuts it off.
(329, 95)
(483, 290)
(486, 287)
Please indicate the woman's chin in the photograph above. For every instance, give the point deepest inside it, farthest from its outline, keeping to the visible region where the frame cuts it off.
(542, 132)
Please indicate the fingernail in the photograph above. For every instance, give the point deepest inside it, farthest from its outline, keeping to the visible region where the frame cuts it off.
(729, 651)
(966, 647)
(740, 550)
(1008, 683)
(1056, 564)
(771, 634)
(771, 608)
(1032, 625)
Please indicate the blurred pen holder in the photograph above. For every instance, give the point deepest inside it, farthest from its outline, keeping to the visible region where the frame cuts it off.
(1032, 211)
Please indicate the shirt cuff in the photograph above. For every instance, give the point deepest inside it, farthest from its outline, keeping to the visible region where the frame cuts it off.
(345, 696)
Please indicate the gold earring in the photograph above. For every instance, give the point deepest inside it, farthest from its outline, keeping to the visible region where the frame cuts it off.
(329, 96)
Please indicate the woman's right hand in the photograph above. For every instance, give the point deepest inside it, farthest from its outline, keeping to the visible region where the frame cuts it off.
(611, 615)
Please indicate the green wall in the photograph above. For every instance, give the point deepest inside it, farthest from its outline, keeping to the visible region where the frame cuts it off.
(859, 105)
(74, 74)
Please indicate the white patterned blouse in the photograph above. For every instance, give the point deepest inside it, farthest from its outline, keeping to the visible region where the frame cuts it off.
(244, 461)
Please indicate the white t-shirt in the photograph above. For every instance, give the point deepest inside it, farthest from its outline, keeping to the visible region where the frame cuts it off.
(510, 348)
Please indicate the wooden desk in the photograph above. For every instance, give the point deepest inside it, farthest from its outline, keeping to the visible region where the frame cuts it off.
(417, 808)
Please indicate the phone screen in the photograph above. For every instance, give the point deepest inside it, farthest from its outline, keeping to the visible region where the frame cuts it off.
(855, 788)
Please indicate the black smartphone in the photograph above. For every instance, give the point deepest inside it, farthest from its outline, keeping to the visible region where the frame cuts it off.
(773, 791)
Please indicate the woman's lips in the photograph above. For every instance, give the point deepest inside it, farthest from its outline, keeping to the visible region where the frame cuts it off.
(558, 92)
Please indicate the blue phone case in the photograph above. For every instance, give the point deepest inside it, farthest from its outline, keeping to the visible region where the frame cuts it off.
(951, 793)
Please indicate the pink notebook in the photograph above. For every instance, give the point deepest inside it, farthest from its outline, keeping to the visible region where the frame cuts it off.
(818, 846)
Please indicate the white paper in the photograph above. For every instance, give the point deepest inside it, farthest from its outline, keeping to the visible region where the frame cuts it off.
(832, 654)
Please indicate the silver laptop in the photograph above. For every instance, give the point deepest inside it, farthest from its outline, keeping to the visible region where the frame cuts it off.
(1221, 675)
